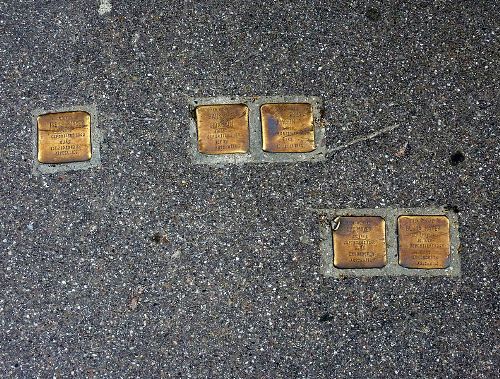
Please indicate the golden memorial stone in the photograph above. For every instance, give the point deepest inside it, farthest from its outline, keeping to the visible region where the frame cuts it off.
(287, 128)
(359, 242)
(424, 242)
(222, 129)
(64, 137)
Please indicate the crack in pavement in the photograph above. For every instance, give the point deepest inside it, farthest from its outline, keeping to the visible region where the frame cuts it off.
(363, 138)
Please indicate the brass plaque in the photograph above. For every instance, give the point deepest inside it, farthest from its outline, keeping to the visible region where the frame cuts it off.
(424, 241)
(64, 137)
(359, 242)
(287, 128)
(222, 129)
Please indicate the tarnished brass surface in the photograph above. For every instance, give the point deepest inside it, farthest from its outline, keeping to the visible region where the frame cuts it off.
(359, 242)
(287, 128)
(64, 137)
(222, 129)
(424, 241)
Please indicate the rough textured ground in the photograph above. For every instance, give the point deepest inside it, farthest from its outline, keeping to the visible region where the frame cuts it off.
(153, 267)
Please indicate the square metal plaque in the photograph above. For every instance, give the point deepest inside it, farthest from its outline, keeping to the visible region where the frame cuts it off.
(359, 242)
(428, 238)
(222, 129)
(64, 137)
(287, 128)
(424, 242)
(215, 141)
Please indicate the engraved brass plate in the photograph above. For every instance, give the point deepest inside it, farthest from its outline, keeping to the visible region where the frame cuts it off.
(64, 137)
(222, 129)
(424, 241)
(287, 128)
(359, 242)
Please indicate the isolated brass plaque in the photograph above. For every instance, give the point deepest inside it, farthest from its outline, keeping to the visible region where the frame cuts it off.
(359, 242)
(287, 128)
(222, 129)
(424, 241)
(64, 137)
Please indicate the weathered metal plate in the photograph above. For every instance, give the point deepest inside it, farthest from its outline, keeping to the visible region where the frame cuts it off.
(222, 129)
(359, 242)
(64, 137)
(287, 128)
(424, 242)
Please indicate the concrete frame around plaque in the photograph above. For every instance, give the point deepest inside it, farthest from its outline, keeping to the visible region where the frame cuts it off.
(45, 162)
(256, 153)
(327, 219)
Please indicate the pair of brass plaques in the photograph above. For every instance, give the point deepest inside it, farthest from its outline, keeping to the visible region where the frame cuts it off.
(224, 128)
(360, 242)
(64, 137)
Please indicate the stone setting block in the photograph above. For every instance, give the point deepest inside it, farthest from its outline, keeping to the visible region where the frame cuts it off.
(287, 128)
(424, 242)
(437, 225)
(222, 129)
(359, 242)
(254, 152)
(64, 137)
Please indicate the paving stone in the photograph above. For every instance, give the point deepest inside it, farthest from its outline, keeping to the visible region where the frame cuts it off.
(65, 139)
(388, 242)
(299, 115)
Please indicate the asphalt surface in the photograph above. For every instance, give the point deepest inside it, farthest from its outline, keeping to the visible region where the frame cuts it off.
(150, 266)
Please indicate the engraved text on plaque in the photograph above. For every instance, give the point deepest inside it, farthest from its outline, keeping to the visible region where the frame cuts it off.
(64, 137)
(359, 242)
(222, 129)
(287, 128)
(424, 241)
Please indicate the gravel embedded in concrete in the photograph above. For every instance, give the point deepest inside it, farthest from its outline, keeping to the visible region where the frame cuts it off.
(150, 266)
